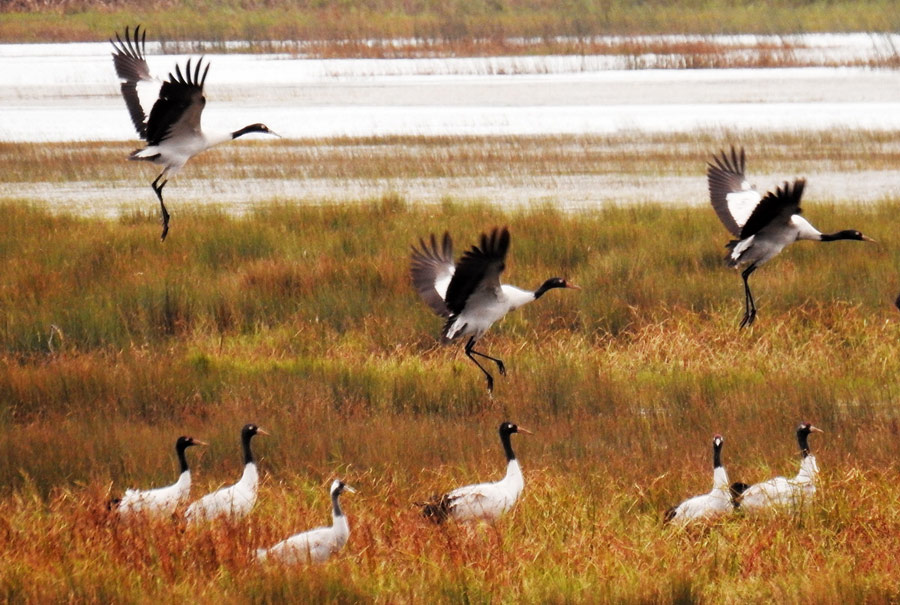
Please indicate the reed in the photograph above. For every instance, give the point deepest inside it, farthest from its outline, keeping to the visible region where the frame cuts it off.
(300, 317)
(431, 28)
(516, 158)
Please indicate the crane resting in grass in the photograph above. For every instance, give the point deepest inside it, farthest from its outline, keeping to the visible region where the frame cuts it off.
(316, 545)
(719, 501)
(161, 501)
(234, 501)
(782, 493)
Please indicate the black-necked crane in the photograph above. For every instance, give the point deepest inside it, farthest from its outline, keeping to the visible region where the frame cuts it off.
(469, 293)
(706, 506)
(172, 131)
(781, 492)
(484, 501)
(315, 545)
(162, 501)
(236, 500)
(763, 224)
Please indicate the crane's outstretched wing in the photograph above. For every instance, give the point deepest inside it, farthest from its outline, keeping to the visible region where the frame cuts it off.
(777, 206)
(180, 104)
(731, 195)
(431, 270)
(478, 269)
(131, 67)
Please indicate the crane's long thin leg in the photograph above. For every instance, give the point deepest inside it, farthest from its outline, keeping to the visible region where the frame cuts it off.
(499, 362)
(470, 352)
(749, 304)
(165, 213)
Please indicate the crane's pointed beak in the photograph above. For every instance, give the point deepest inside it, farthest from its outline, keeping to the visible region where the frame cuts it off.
(572, 286)
(816, 429)
(198, 442)
(262, 432)
(524, 431)
(276, 134)
(866, 238)
(350, 489)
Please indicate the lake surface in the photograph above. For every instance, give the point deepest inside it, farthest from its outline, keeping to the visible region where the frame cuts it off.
(69, 92)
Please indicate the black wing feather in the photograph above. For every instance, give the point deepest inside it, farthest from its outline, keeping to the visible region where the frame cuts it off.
(726, 175)
(477, 267)
(131, 66)
(429, 264)
(176, 96)
(783, 202)
(436, 510)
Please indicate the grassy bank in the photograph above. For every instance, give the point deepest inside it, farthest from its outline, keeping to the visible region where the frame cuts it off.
(572, 172)
(629, 153)
(301, 319)
(471, 28)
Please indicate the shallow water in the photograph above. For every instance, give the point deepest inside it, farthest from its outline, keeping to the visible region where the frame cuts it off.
(69, 92)
(570, 192)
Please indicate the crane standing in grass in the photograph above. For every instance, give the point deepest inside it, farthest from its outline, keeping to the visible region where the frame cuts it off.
(763, 224)
(172, 131)
(483, 501)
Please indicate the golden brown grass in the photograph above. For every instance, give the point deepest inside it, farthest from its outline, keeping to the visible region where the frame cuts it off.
(597, 539)
(301, 319)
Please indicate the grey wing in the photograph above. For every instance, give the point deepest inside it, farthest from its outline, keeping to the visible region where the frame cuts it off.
(131, 67)
(431, 270)
(731, 195)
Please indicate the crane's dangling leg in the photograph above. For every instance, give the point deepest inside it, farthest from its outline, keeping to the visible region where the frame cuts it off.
(749, 304)
(470, 351)
(165, 213)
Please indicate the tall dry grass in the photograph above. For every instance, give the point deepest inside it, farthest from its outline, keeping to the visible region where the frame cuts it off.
(301, 319)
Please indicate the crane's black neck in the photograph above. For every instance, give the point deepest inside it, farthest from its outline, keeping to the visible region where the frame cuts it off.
(736, 490)
(248, 130)
(717, 453)
(507, 446)
(553, 282)
(182, 459)
(803, 441)
(246, 436)
(336, 504)
(846, 234)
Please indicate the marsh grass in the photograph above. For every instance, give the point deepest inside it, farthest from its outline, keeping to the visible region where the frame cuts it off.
(513, 158)
(301, 318)
(433, 28)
